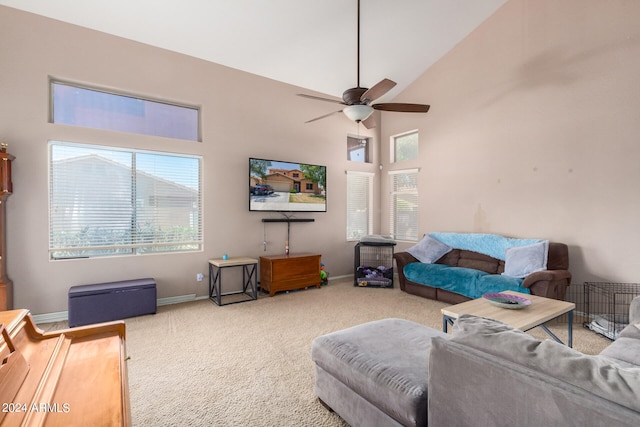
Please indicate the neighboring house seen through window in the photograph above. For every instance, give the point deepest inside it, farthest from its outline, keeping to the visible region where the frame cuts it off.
(106, 201)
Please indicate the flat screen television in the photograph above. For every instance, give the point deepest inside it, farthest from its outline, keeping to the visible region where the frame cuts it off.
(281, 186)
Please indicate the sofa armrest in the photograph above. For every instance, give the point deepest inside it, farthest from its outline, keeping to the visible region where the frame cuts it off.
(545, 275)
(548, 283)
(402, 259)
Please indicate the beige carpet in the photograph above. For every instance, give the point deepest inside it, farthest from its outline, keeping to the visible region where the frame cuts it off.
(197, 364)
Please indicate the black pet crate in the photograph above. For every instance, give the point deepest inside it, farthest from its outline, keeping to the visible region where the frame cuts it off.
(373, 265)
(607, 306)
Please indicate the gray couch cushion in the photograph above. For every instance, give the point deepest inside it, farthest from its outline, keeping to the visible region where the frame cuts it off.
(625, 351)
(591, 373)
(384, 361)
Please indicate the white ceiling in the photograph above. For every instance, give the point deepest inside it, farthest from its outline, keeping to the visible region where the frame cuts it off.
(308, 43)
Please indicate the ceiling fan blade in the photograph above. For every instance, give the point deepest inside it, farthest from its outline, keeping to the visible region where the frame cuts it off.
(369, 122)
(323, 116)
(379, 89)
(401, 107)
(318, 98)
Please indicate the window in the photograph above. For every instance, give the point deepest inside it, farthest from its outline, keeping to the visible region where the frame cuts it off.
(358, 149)
(404, 204)
(359, 204)
(405, 146)
(108, 201)
(81, 106)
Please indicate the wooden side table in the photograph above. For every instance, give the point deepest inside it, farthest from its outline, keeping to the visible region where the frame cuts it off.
(249, 278)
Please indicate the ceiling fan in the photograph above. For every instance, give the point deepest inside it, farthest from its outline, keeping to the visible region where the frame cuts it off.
(358, 100)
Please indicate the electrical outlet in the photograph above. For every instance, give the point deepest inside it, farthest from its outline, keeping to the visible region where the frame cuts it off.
(200, 277)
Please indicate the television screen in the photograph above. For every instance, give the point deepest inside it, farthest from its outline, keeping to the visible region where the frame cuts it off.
(278, 186)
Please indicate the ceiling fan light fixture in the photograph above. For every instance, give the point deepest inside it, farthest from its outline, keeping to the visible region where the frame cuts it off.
(358, 113)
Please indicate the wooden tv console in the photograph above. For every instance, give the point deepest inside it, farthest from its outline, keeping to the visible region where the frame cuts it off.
(287, 272)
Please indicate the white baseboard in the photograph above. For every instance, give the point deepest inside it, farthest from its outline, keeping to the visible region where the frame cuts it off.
(62, 316)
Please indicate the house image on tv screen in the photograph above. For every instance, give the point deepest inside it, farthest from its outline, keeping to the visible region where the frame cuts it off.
(290, 181)
(285, 186)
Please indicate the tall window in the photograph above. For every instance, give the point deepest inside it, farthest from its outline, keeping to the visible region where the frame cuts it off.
(76, 105)
(108, 201)
(405, 146)
(359, 204)
(404, 204)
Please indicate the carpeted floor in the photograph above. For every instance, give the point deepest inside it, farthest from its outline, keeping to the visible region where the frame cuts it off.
(197, 364)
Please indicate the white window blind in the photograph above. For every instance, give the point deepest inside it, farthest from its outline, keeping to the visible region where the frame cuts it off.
(404, 204)
(359, 204)
(108, 201)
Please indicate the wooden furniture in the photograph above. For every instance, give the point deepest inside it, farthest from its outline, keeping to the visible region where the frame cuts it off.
(249, 278)
(6, 188)
(70, 377)
(537, 314)
(287, 272)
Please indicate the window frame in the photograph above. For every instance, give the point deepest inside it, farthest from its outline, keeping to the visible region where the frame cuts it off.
(394, 146)
(122, 94)
(143, 205)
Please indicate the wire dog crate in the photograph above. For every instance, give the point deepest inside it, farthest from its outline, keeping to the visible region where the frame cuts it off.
(607, 306)
(373, 265)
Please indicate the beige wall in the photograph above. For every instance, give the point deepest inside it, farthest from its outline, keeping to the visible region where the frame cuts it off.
(242, 116)
(534, 131)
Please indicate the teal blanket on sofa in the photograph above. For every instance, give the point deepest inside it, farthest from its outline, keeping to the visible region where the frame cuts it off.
(464, 281)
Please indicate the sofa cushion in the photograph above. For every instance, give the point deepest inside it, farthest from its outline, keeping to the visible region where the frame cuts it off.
(493, 245)
(384, 361)
(498, 283)
(523, 260)
(625, 351)
(478, 261)
(593, 374)
(464, 281)
(453, 279)
(429, 250)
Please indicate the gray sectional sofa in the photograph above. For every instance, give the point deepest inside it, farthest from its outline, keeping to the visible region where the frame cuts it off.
(393, 372)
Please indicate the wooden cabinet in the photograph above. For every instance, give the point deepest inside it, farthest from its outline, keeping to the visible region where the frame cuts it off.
(283, 273)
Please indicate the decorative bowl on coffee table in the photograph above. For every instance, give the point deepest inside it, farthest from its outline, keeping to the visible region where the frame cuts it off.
(513, 302)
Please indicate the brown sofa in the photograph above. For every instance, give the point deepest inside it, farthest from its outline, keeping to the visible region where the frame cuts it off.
(550, 283)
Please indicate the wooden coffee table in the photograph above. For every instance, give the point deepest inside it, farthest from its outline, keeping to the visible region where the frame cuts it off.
(535, 315)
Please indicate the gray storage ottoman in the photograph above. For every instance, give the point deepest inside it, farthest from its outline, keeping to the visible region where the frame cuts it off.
(375, 373)
(103, 302)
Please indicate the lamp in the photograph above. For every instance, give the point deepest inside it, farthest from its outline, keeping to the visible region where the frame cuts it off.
(358, 112)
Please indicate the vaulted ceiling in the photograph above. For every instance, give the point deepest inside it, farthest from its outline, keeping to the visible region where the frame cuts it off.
(307, 43)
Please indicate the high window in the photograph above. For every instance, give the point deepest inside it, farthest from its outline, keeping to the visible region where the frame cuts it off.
(358, 149)
(404, 147)
(359, 204)
(106, 201)
(76, 105)
(404, 204)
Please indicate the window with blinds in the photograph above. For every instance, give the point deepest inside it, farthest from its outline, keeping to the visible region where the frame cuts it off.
(359, 204)
(106, 201)
(404, 204)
